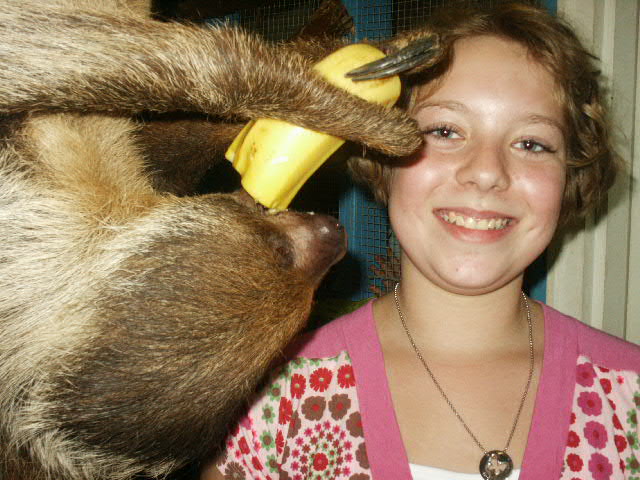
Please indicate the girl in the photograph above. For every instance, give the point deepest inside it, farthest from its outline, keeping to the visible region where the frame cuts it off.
(457, 374)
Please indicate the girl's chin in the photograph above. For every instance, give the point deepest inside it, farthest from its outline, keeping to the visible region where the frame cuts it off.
(472, 290)
(468, 283)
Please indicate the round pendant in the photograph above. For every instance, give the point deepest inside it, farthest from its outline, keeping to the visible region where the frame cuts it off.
(496, 465)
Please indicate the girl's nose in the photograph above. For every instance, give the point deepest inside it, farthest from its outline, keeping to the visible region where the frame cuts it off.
(485, 168)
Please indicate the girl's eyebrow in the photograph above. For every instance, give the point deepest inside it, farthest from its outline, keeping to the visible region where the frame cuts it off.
(461, 107)
(534, 118)
(448, 104)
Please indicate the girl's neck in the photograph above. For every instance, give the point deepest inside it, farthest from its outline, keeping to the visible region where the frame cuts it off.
(451, 325)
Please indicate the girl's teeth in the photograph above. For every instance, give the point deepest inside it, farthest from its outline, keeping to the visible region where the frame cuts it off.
(476, 224)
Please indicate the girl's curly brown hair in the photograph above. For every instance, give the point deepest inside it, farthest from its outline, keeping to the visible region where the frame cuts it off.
(592, 162)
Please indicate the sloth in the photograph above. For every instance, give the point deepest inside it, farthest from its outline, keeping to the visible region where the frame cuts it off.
(136, 316)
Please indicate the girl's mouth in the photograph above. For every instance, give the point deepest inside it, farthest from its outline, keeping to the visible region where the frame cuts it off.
(474, 223)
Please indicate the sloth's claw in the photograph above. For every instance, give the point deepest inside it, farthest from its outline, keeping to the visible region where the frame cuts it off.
(414, 54)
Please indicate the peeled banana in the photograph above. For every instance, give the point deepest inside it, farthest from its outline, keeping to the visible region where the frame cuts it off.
(275, 158)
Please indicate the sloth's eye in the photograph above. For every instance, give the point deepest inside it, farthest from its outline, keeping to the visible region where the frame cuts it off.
(281, 245)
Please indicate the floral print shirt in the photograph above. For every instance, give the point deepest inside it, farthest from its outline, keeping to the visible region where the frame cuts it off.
(328, 414)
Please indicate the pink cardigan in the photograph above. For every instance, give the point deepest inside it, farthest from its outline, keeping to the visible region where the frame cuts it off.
(327, 413)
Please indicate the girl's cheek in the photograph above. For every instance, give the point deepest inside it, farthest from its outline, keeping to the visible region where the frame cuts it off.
(420, 176)
(545, 186)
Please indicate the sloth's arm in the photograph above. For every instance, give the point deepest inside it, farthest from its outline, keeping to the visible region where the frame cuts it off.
(53, 58)
(179, 152)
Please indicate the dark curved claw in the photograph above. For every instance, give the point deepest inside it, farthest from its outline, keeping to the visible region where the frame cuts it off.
(411, 56)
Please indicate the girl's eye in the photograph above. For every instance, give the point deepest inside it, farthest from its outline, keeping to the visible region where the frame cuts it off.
(443, 132)
(533, 146)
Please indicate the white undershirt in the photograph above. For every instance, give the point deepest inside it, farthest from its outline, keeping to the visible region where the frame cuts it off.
(422, 472)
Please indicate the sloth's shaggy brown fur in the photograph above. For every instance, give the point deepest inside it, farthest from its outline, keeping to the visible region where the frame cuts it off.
(133, 322)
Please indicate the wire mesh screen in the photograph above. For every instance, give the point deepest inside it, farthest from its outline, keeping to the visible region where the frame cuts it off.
(279, 20)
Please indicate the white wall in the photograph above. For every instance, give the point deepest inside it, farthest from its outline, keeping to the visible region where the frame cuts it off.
(596, 276)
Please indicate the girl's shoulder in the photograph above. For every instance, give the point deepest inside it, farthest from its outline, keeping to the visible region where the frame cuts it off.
(600, 347)
(307, 417)
(586, 413)
(335, 336)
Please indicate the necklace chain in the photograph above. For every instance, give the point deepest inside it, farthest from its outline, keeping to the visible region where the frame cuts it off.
(444, 395)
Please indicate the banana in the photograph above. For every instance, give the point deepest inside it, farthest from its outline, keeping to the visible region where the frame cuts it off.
(275, 158)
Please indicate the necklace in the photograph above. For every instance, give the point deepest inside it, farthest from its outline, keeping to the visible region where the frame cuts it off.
(494, 464)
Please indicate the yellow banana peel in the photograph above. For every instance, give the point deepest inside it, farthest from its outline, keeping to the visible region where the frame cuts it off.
(275, 158)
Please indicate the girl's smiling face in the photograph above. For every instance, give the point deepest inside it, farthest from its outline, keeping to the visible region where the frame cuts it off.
(481, 201)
